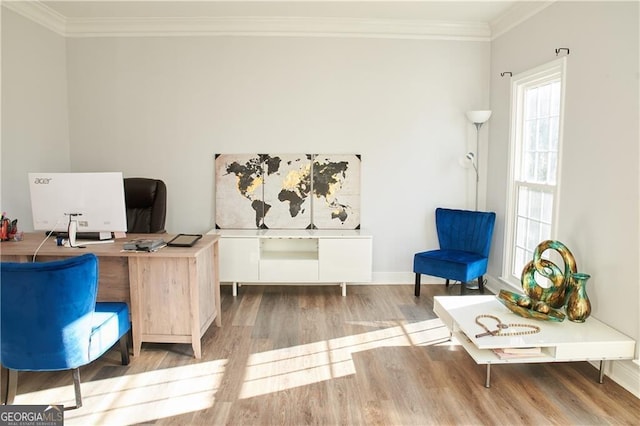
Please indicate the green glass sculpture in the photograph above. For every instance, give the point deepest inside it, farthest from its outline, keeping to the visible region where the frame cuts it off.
(555, 295)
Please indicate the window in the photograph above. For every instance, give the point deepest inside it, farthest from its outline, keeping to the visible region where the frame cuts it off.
(536, 113)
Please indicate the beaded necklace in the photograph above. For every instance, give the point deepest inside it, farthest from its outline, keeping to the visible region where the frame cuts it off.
(502, 326)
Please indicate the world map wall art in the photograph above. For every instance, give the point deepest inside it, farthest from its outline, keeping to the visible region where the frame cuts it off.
(287, 191)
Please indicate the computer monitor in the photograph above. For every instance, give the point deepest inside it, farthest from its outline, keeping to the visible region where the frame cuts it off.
(95, 201)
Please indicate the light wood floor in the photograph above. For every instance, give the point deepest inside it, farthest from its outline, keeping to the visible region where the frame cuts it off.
(289, 355)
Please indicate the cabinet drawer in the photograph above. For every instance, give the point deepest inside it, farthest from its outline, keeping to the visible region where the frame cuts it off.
(288, 270)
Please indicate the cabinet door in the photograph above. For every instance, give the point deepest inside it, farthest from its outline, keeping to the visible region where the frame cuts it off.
(239, 258)
(345, 259)
(163, 305)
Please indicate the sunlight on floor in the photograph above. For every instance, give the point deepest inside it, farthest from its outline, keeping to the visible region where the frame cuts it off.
(163, 393)
(286, 368)
(143, 397)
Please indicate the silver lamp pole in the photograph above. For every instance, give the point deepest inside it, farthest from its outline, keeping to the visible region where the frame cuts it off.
(478, 118)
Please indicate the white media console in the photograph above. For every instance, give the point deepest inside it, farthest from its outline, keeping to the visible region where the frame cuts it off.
(294, 256)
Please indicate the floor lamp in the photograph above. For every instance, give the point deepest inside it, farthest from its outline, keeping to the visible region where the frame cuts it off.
(478, 118)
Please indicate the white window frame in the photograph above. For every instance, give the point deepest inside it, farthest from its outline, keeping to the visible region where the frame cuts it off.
(537, 76)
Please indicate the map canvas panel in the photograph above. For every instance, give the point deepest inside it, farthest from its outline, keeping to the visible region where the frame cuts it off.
(287, 191)
(239, 191)
(336, 191)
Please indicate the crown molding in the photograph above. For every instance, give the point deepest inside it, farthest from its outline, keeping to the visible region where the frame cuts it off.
(278, 26)
(516, 15)
(39, 13)
(249, 26)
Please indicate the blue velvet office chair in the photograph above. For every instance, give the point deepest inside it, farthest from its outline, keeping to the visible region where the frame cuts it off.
(465, 239)
(51, 321)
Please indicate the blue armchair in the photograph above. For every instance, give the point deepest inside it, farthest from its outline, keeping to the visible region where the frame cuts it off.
(465, 239)
(51, 321)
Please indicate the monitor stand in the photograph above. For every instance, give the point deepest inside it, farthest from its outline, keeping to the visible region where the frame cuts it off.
(73, 229)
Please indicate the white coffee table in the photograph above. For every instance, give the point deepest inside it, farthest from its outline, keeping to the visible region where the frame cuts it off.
(559, 341)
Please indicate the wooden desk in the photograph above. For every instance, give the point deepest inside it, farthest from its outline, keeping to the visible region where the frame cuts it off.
(173, 294)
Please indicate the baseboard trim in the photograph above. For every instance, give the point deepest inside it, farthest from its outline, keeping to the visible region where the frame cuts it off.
(625, 373)
(401, 278)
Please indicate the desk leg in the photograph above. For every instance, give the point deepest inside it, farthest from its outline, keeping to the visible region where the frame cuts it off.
(216, 283)
(601, 376)
(135, 309)
(194, 291)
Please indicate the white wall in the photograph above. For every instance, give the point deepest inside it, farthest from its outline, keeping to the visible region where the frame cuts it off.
(35, 131)
(599, 213)
(162, 107)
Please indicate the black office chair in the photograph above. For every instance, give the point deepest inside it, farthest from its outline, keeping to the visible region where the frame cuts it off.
(146, 201)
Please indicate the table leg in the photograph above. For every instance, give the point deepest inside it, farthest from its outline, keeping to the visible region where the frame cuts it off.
(487, 382)
(601, 376)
